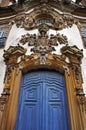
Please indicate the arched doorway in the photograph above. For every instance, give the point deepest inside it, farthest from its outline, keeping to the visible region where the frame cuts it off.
(43, 102)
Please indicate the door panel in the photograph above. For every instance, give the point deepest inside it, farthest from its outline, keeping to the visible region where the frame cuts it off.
(43, 103)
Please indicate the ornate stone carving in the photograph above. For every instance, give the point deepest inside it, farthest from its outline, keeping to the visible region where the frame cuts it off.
(42, 12)
(67, 69)
(69, 20)
(28, 23)
(43, 44)
(72, 51)
(43, 28)
(77, 72)
(75, 55)
(32, 61)
(19, 20)
(4, 98)
(7, 78)
(12, 53)
(11, 56)
(81, 95)
(28, 38)
(59, 23)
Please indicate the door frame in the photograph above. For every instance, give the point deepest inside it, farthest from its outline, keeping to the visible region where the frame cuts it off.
(13, 78)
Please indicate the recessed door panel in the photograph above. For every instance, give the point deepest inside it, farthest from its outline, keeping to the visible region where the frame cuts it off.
(43, 102)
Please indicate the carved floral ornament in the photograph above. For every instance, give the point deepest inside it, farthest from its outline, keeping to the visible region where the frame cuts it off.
(44, 13)
(42, 43)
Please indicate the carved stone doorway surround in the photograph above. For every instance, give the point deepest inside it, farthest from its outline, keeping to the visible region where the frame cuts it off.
(15, 70)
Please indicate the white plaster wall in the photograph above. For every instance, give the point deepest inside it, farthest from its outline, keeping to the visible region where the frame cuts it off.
(83, 66)
(2, 70)
(72, 34)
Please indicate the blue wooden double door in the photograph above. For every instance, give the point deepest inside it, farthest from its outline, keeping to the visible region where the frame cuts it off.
(43, 102)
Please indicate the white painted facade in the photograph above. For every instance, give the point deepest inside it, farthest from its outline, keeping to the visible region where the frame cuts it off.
(15, 33)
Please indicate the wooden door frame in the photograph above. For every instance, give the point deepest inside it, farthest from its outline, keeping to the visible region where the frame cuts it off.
(10, 96)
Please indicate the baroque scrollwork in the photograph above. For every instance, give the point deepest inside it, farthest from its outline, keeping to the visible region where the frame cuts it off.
(43, 44)
(30, 21)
